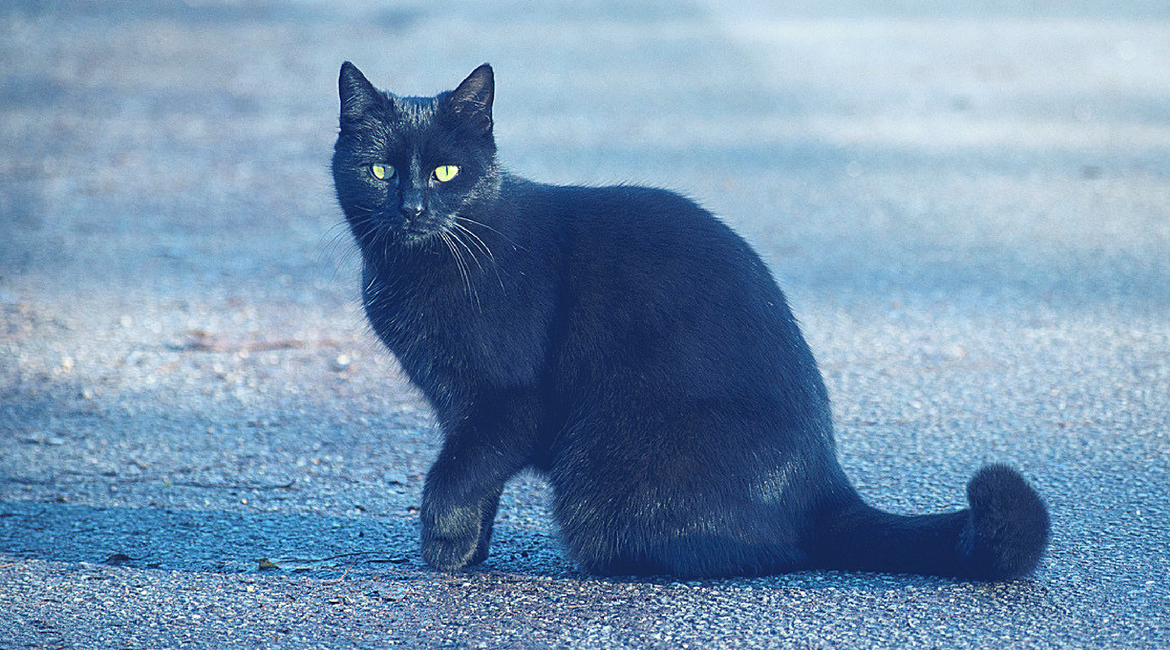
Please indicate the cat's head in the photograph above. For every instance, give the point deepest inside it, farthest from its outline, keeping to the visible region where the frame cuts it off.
(405, 168)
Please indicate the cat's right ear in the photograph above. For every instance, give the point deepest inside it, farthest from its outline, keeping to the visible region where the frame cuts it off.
(358, 95)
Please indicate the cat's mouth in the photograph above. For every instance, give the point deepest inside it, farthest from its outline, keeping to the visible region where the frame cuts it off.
(414, 237)
(412, 231)
(418, 231)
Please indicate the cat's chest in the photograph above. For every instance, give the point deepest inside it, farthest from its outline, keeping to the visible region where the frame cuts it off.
(442, 332)
(413, 314)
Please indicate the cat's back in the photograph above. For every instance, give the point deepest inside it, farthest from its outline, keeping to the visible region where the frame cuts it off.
(651, 279)
(636, 224)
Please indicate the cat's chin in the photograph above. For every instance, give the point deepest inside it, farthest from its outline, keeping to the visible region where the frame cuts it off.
(421, 237)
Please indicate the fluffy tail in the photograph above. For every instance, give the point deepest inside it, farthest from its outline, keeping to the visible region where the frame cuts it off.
(1000, 537)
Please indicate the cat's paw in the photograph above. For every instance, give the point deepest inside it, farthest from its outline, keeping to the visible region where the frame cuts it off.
(481, 552)
(451, 553)
(451, 537)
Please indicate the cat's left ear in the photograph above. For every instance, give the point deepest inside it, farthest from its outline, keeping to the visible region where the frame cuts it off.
(472, 100)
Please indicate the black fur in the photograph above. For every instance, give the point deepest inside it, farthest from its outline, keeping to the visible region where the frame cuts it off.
(633, 348)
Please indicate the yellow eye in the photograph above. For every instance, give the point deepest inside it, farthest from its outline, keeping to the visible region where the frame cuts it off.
(381, 172)
(445, 173)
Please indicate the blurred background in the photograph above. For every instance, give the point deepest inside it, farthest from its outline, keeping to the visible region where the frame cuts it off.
(183, 144)
(968, 206)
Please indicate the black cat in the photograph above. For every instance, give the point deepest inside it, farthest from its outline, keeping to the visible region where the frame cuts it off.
(630, 346)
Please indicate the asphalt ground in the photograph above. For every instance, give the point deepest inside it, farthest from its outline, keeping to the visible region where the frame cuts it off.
(202, 445)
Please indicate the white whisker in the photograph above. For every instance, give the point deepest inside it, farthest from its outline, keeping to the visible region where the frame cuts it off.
(471, 253)
(478, 223)
(483, 246)
(464, 270)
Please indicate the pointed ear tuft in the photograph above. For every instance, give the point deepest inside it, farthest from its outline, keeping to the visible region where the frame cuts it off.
(472, 100)
(358, 95)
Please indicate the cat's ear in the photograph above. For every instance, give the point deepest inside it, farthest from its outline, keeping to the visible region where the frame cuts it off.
(472, 100)
(358, 95)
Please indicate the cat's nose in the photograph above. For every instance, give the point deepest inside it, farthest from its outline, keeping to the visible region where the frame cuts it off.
(412, 207)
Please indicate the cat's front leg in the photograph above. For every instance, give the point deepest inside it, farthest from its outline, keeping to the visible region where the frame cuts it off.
(463, 488)
(487, 523)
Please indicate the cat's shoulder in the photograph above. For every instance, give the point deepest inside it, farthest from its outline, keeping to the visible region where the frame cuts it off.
(627, 199)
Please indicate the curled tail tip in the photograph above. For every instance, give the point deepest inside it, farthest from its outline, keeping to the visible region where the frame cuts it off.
(1008, 527)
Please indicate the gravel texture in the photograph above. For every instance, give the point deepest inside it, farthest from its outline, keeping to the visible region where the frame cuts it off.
(202, 445)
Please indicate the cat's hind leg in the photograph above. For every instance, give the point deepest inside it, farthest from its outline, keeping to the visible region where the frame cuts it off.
(695, 556)
(688, 534)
